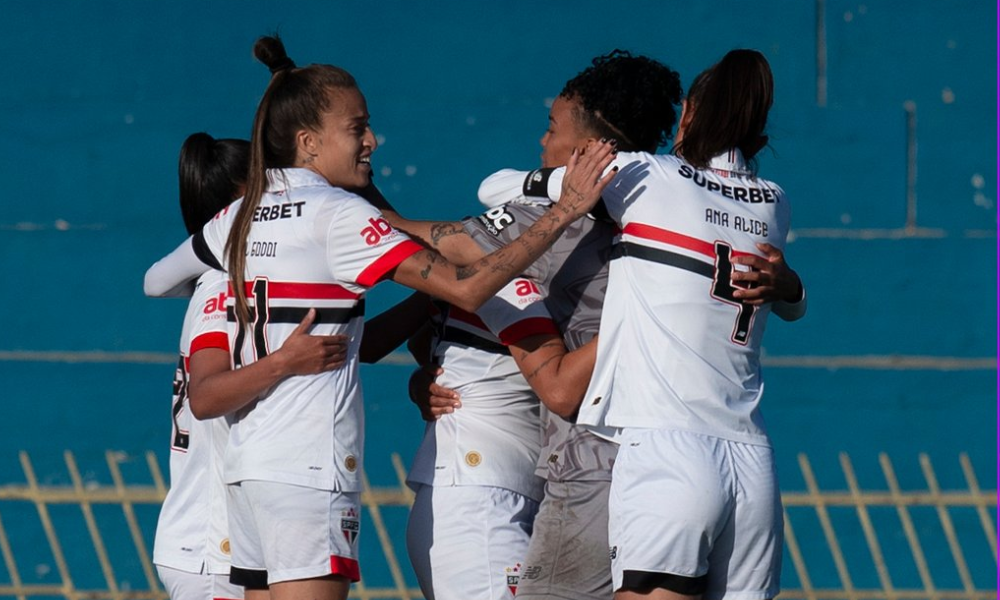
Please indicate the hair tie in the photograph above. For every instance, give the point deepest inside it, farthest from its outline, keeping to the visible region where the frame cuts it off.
(282, 65)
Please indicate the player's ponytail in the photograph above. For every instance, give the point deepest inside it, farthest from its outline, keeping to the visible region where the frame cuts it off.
(729, 104)
(211, 174)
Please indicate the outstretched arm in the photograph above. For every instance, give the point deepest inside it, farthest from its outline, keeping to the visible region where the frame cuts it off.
(214, 389)
(172, 275)
(448, 238)
(469, 287)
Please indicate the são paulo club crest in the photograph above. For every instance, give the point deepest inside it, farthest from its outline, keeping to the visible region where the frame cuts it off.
(513, 577)
(350, 524)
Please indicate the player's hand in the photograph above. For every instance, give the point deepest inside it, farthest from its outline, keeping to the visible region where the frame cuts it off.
(769, 279)
(306, 354)
(432, 399)
(585, 178)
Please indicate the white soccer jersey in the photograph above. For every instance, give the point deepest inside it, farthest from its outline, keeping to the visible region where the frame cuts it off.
(495, 438)
(191, 531)
(676, 351)
(311, 245)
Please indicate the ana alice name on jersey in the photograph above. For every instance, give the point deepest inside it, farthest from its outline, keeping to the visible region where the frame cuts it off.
(744, 224)
(741, 194)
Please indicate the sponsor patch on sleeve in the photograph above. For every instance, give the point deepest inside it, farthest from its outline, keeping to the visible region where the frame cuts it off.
(496, 220)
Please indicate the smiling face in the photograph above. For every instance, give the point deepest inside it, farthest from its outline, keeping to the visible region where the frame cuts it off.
(341, 149)
(564, 133)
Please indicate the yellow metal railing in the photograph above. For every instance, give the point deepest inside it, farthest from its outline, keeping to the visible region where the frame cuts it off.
(827, 507)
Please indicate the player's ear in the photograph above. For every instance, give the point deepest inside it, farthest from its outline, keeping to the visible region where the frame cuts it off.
(305, 144)
(585, 144)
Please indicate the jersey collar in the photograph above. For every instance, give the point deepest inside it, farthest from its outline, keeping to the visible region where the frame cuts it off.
(730, 163)
(279, 180)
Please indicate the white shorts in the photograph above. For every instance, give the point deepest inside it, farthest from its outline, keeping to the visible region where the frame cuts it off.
(695, 514)
(281, 532)
(181, 585)
(468, 542)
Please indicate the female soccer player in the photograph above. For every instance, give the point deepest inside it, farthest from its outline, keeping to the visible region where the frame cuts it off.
(694, 506)
(773, 280)
(191, 548)
(298, 239)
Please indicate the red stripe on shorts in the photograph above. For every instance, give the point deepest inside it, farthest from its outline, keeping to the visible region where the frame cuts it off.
(345, 567)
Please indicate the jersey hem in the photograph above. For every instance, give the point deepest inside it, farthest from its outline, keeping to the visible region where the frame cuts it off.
(652, 423)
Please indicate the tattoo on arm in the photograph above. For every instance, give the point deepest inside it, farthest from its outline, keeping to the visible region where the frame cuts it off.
(443, 230)
(535, 372)
(432, 257)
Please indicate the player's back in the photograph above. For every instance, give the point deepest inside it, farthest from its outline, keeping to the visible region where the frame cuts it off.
(677, 349)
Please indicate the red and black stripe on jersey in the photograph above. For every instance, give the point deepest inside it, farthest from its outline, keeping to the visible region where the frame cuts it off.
(334, 304)
(475, 334)
(341, 304)
(720, 270)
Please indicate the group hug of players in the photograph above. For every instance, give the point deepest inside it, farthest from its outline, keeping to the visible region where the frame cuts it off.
(589, 348)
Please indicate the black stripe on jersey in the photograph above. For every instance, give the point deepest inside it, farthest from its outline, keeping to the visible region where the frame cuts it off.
(663, 257)
(295, 314)
(466, 338)
(536, 184)
(203, 253)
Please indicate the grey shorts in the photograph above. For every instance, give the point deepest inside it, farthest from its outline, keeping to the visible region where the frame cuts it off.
(568, 552)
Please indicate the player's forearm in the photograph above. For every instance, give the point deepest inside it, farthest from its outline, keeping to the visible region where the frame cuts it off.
(214, 390)
(172, 274)
(389, 329)
(788, 310)
(509, 185)
(559, 378)
(470, 286)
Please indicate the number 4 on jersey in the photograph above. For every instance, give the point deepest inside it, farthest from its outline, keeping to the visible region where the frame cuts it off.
(723, 288)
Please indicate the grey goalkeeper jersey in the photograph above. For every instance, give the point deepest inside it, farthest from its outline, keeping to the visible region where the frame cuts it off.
(573, 276)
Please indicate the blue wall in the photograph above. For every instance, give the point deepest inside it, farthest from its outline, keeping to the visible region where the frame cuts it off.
(96, 98)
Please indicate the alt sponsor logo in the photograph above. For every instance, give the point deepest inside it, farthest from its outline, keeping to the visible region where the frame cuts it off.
(377, 230)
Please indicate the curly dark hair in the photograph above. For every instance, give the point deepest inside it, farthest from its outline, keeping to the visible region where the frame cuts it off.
(633, 99)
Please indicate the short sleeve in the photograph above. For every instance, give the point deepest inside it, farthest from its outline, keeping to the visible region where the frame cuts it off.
(208, 328)
(362, 246)
(517, 312)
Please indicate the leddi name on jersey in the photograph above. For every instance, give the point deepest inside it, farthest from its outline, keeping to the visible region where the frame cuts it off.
(377, 230)
(738, 193)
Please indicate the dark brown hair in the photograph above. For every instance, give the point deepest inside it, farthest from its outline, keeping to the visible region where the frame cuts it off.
(295, 99)
(630, 98)
(730, 102)
(211, 173)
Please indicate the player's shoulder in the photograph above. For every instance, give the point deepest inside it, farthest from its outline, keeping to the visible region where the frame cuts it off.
(212, 282)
